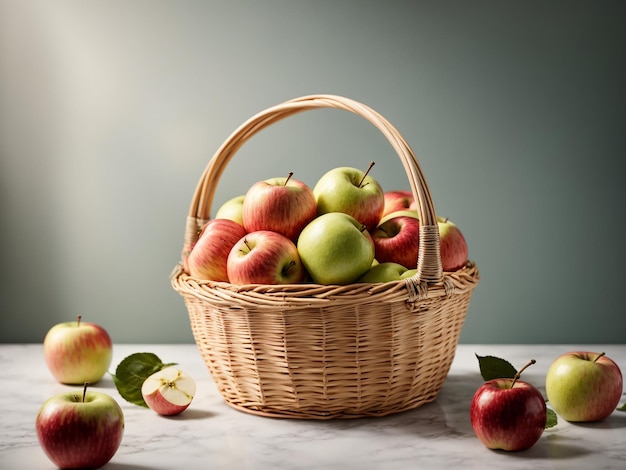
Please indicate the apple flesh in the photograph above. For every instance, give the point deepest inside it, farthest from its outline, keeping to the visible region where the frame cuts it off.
(508, 414)
(335, 249)
(279, 205)
(77, 352)
(209, 255)
(353, 192)
(584, 386)
(169, 391)
(80, 429)
(264, 257)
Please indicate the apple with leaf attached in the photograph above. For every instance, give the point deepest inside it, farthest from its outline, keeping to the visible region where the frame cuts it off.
(80, 429)
(507, 413)
(282, 205)
(584, 386)
(353, 192)
(77, 352)
(144, 380)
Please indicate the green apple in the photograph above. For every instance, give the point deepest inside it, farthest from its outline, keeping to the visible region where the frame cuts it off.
(584, 386)
(408, 273)
(383, 272)
(335, 249)
(232, 210)
(353, 192)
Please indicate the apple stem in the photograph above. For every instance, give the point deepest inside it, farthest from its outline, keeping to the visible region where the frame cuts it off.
(85, 391)
(519, 372)
(366, 173)
(78, 320)
(288, 178)
(599, 356)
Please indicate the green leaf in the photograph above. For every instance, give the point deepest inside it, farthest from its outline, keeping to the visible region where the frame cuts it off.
(622, 408)
(131, 374)
(495, 368)
(551, 419)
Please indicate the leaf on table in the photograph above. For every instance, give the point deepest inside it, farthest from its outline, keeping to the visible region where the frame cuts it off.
(551, 419)
(492, 367)
(622, 408)
(132, 372)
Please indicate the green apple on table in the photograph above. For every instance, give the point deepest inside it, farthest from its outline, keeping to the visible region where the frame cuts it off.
(335, 249)
(77, 352)
(584, 386)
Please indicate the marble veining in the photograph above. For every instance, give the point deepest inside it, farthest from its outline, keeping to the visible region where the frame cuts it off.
(211, 435)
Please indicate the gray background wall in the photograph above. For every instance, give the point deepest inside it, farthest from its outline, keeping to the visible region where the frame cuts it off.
(110, 110)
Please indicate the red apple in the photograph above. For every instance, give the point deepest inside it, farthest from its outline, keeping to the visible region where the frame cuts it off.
(264, 257)
(168, 391)
(279, 205)
(584, 386)
(453, 245)
(209, 255)
(508, 414)
(352, 192)
(80, 429)
(397, 241)
(77, 352)
(398, 200)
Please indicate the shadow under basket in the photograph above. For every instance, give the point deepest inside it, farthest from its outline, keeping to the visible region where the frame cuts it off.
(316, 351)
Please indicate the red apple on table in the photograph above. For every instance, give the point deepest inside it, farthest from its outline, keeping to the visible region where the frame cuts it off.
(508, 414)
(335, 249)
(264, 257)
(77, 352)
(209, 255)
(169, 391)
(232, 210)
(80, 429)
(282, 205)
(353, 192)
(584, 386)
(397, 241)
(398, 200)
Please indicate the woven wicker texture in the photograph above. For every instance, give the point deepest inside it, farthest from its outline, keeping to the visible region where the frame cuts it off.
(315, 351)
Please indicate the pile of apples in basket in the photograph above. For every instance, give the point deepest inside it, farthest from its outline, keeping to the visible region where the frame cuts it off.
(345, 229)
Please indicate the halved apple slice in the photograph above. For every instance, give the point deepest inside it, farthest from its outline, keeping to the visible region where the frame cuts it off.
(168, 391)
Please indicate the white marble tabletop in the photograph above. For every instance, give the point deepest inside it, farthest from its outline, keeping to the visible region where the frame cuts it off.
(211, 435)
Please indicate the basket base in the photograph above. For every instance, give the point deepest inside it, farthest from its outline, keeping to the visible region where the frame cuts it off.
(323, 415)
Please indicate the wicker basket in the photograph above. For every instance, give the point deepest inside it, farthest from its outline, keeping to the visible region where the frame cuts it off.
(316, 351)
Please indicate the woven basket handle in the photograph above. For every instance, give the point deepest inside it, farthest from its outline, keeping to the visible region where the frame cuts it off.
(429, 262)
